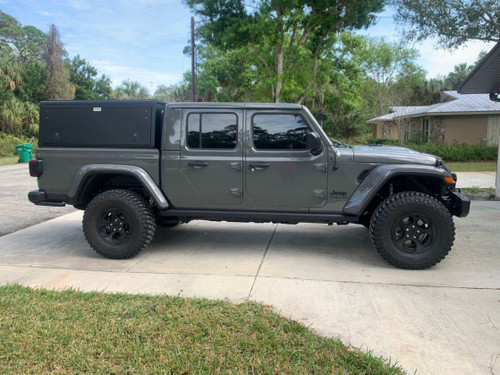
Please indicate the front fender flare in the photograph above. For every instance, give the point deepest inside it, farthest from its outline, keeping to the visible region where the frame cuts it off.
(379, 176)
(140, 174)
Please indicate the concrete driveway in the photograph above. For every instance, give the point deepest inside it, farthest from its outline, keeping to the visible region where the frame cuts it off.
(478, 179)
(16, 211)
(444, 320)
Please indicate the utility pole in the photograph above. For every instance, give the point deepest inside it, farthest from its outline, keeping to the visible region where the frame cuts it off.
(194, 96)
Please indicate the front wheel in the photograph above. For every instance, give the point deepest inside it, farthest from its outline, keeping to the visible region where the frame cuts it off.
(412, 230)
(118, 224)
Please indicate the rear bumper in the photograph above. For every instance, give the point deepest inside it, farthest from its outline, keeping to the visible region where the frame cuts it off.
(39, 197)
(460, 204)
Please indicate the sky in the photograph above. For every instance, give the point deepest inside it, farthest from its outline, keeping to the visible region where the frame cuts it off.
(143, 40)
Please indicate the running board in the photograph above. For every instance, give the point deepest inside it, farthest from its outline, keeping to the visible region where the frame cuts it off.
(260, 216)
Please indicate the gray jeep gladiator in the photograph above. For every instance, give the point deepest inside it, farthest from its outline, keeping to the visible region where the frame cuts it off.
(135, 164)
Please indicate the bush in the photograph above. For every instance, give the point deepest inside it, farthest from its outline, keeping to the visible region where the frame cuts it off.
(453, 152)
(18, 118)
(8, 144)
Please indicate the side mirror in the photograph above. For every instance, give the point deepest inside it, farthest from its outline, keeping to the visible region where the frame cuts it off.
(313, 142)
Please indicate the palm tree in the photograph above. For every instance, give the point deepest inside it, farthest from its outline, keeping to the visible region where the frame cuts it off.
(10, 72)
(130, 90)
(460, 72)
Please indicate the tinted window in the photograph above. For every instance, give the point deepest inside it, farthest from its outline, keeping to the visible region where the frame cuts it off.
(279, 132)
(212, 130)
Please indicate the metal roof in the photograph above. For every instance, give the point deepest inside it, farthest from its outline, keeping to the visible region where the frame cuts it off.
(396, 112)
(452, 103)
(485, 77)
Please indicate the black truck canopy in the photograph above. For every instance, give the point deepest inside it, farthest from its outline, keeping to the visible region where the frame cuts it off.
(101, 123)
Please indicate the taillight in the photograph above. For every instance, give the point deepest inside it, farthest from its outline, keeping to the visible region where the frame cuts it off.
(36, 167)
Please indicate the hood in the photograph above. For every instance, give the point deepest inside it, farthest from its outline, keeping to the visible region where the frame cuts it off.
(392, 155)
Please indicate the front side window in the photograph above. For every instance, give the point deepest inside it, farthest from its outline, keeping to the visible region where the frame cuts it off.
(212, 130)
(279, 132)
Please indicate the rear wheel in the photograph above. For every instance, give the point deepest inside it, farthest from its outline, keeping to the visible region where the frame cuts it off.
(412, 230)
(118, 224)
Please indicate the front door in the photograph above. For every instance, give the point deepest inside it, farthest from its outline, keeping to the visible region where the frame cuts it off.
(280, 172)
(212, 155)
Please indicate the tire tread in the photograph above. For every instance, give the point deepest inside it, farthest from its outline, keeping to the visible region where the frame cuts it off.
(380, 217)
(137, 203)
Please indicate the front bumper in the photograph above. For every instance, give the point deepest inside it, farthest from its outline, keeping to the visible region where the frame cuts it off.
(39, 197)
(459, 205)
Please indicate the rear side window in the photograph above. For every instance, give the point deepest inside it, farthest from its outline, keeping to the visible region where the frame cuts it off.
(212, 130)
(279, 132)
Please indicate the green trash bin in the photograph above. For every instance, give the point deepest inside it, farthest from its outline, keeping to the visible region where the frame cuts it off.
(25, 152)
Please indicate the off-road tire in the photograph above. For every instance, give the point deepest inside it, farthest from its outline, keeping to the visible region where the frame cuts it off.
(136, 211)
(389, 220)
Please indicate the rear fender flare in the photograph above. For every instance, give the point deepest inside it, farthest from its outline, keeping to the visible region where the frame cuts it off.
(379, 176)
(139, 173)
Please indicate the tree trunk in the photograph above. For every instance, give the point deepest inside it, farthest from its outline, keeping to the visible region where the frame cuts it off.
(279, 73)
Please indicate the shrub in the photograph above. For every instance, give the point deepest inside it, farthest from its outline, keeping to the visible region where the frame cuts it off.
(8, 143)
(18, 118)
(448, 152)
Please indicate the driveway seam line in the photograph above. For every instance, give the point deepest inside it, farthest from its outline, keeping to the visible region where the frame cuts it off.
(145, 256)
(262, 260)
(239, 275)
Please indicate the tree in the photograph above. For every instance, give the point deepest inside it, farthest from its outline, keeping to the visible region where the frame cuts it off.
(10, 72)
(281, 41)
(452, 22)
(460, 72)
(88, 84)
(392, 72)
(172, 93)
(34, 78)
(58, 85)
(27, 41)
(130, 90)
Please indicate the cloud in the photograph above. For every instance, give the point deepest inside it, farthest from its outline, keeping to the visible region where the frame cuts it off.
(439, 61)
(149, 78)
(78, 4)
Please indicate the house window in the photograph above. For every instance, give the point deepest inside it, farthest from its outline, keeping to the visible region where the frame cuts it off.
(426, 129)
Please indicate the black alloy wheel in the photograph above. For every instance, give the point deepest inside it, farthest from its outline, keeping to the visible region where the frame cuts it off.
(114, 227)
(413, 234)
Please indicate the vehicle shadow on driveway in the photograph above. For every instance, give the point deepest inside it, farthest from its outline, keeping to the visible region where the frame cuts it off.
(197, 247)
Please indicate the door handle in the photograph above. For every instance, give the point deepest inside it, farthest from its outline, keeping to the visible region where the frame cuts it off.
(258, 166)
(198, 164)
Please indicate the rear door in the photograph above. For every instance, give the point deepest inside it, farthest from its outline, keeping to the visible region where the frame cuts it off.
(212, 155)
(280, 172)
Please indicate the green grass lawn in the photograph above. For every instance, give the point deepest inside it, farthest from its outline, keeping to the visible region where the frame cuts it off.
(473, 166)
(73, 332)
(8, 160)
